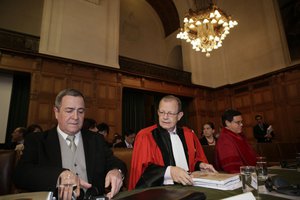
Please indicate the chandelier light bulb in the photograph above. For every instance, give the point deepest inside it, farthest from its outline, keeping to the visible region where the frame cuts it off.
(205, 21)
(198, 23)
(218, 15)
(205, 29)
(220, 21)
(192, 26)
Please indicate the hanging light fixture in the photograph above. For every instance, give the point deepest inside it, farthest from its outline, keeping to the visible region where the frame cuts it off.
(206, 28)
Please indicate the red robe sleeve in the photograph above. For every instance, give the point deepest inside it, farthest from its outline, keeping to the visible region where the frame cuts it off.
(145, 152)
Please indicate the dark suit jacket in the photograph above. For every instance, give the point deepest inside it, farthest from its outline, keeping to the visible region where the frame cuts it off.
(121, 144)
(41, 162)
(259, 133)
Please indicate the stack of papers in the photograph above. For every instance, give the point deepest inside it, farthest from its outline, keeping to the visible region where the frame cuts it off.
(219, 181)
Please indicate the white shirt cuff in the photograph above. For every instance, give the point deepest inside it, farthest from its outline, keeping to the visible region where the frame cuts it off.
(167, 177)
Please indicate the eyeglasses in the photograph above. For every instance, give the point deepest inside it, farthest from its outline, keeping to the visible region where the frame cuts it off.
(163, 113)
(238, 122)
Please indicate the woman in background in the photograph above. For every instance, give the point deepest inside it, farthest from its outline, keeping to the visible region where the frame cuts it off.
(208, 137)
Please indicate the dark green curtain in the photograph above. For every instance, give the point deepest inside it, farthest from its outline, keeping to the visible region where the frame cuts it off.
(19, 103)
(140, 109)
(133, 110)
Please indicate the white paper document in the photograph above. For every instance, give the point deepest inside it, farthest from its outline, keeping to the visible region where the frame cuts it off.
(219, 181)
(229, 186)
(244, 196)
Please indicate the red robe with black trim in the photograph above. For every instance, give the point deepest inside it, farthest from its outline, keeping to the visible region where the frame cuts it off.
(147, 152)
(232, 151)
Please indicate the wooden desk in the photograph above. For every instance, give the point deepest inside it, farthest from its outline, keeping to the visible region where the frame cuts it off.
(211, 194)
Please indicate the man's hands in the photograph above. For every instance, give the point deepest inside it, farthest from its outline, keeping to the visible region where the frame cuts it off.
(179, 175)
(207, 167)
(69, 185)
(114, 178)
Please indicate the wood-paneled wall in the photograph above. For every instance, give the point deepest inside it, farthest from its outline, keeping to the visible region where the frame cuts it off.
(276, 96)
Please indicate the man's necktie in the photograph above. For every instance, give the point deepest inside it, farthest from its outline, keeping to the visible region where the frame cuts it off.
(72, 144)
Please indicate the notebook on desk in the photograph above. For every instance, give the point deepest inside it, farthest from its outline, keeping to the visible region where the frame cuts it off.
(166, 194)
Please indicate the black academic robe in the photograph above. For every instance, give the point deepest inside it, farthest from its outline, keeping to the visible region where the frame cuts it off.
(152, 154)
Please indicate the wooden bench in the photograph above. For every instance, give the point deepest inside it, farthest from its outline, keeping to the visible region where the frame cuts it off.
(7, 166)
(125, 155)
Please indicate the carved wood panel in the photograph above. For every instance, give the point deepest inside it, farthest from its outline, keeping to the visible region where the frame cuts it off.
(276, 97)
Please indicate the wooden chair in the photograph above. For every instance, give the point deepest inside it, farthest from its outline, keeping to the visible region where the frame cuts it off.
(125, 155)
(297, 146)
(7, 165)
(287, 151)
(270, 151)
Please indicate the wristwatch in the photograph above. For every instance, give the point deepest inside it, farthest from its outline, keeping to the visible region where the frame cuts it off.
(121, 174)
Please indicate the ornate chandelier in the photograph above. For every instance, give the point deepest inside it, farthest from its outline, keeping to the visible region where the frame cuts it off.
(205, 29)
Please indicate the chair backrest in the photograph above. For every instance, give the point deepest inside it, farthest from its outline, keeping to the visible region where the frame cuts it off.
(7, 165)
(287, 151)
(125, 155)
(209, 151)
(270, 151)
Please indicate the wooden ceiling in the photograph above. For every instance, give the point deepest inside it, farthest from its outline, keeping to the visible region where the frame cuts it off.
(167, 13)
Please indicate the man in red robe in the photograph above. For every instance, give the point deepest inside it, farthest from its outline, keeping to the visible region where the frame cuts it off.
(232, 149)
(166, 153)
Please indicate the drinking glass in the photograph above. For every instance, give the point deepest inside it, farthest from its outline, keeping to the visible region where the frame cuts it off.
(261, 174)
(248, 176)
(261, 168)
(67, 186)
(298, 162)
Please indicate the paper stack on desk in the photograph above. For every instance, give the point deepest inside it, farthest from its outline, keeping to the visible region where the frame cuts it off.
(218, 181)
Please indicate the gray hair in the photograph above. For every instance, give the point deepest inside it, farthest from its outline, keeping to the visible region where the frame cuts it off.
(67, 92)
(172, 97)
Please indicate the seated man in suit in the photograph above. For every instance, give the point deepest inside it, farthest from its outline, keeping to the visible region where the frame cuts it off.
(17, 138)
(165, 153)
(128, 141)
(103, 129)
(66, 150)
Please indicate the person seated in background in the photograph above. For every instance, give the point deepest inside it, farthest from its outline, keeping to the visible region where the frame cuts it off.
(17, 138)
(165, 153)
(67, 151)
(262, 131)
(208, 137)
(117, 139)
(90, 124)
(34, 128)
(103, 129)
(232, 149)
(128, 141)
